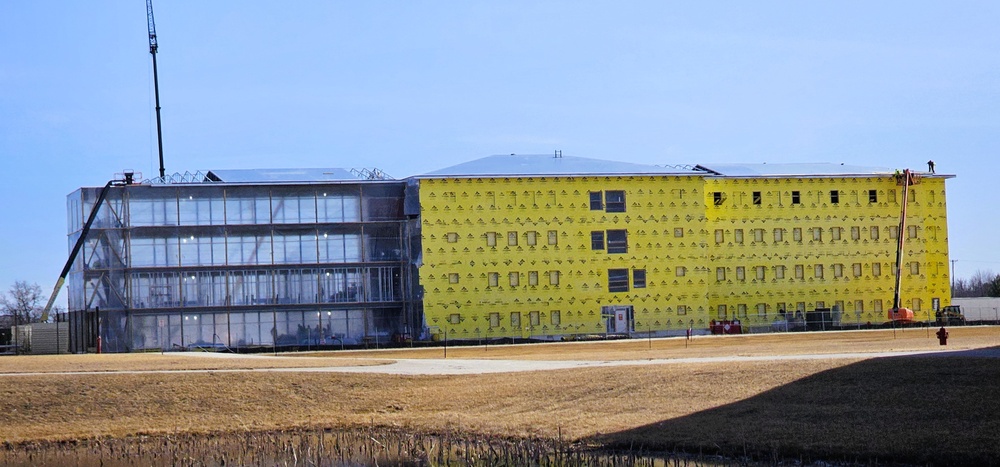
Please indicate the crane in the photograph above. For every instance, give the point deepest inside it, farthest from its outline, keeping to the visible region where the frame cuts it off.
(898, 313)
(156, 84)
(153, 46)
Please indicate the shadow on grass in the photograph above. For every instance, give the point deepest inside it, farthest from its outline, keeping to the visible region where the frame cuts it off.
(920, 409)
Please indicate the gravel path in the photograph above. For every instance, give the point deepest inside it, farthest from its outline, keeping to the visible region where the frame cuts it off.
(456, 366)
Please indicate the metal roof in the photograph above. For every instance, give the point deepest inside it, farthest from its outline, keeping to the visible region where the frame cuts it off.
(812, 169)
(545, 165)
(283, 175)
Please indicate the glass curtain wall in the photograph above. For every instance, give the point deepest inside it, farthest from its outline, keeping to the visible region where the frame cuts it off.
(186, 266)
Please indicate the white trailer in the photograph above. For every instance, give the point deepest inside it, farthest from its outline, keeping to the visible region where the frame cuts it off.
(979, 309)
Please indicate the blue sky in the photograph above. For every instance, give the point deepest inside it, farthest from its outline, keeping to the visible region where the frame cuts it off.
(414, 86)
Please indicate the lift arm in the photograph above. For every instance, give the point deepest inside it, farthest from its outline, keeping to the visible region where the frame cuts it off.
(900, 239)
(899, 313)
(76, 248)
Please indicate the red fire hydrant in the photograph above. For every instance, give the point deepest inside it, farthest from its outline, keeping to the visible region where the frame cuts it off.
(942, 336)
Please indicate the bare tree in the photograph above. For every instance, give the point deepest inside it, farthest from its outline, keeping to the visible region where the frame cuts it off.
(981, 284)
(23, 302)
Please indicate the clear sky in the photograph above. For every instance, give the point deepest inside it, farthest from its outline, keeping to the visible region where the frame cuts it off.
(413, 86)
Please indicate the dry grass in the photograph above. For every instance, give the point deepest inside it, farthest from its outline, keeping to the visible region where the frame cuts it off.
(160, 362)
(916, 409)
(883, 340)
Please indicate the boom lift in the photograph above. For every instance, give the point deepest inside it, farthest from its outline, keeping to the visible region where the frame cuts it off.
(898, 313)
(127, 180)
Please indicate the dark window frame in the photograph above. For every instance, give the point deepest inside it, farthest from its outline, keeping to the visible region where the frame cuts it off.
(614, 201)
(757, 198)
(617, 280)
(872, 196)
(834, 197)
(617, 241)
(638, 278)
(796, 197)
(596, 200)
(597, 240)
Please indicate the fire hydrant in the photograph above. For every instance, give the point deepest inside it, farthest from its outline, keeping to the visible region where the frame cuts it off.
(942, 336)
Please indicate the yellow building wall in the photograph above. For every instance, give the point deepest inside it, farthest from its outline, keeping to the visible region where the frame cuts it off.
(664, 218)
(691, 245)
(828, 252)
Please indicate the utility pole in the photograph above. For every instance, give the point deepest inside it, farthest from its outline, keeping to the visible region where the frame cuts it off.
(953, 276)
(156, 83)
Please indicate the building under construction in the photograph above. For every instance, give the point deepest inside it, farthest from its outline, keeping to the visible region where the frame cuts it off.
(513, 247)
(242, 259)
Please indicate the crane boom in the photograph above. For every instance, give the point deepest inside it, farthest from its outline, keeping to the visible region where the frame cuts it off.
(152, 26)
(153, 47)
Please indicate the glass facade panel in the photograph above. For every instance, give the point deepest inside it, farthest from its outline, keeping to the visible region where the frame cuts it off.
(203, 250)
(201, 207)
(152, 206)
(248, 249)
(339, 247)
(293, 206)
(295, 246)
(248, 207)
(154, 251)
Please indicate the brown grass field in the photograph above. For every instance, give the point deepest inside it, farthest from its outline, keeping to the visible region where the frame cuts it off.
(919, 409)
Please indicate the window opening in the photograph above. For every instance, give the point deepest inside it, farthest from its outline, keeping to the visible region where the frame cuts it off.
(617, 280)
(614, 201)
(597, 240)
(617, 241)
(596, 201)
(531, 238)
(639, 278)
